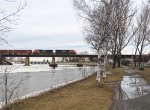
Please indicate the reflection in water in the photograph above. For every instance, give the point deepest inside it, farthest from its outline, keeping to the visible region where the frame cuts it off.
(53, 70)
(134, 86)
(83, 72)
(133, 93)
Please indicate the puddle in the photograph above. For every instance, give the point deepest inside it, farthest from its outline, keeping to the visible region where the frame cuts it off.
(133, 93)
(134, 86)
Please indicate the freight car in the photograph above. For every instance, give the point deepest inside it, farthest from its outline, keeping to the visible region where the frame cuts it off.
(22, 52)
(39, 51)
(65, 52)
(6, 51)
(16, 52)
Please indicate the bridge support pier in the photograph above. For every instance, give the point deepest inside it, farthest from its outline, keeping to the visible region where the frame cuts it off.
(63, 59)
(80, 63)
(27, 61)
(53, 64)
(1, 60)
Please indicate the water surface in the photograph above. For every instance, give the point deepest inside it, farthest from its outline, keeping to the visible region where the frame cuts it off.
(39, 81)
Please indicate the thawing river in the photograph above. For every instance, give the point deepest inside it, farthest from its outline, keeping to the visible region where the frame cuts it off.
(38, 81)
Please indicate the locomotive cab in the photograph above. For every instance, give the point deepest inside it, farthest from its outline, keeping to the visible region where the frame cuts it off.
(36, 52)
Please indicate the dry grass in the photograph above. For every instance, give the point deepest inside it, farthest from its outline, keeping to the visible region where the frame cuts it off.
(117, 74)
(145, 73)
(82, 95)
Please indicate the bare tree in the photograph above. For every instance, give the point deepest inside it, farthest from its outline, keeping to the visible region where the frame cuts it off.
(107, 26)
(96, 16)
(9, 15)
(8, 85)
(142, 37)
(122, 33)
(9, 18)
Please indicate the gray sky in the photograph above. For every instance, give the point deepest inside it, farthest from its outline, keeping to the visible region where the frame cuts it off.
(48, 24)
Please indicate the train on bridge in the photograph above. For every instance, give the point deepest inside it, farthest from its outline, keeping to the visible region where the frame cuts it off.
(37, 51)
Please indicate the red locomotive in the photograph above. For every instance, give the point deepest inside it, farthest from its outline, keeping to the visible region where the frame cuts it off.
(39, 51)
(65, 52)
(72, 52)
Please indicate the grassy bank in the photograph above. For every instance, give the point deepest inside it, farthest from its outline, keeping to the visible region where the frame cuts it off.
(145, 73)
(82, 95)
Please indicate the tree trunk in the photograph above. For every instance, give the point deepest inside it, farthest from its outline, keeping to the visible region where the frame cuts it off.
(119, 59)
(114, 61)
(134, 60)
(5, 96)
(140, 58)
(119, 63)
(105, 64)
(134, 57)
(98, 77)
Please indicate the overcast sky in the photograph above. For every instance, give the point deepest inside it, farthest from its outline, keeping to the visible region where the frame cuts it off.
(48, 24)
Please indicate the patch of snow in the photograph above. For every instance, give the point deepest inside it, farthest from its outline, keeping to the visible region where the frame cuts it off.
(21, 68)
(108, 72)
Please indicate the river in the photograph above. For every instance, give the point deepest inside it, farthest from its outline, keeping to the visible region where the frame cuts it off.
(36, 82)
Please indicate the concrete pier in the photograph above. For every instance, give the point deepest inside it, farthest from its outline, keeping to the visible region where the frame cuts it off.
(80, 64)
(53, 64)
(1, 60)
(27, 61)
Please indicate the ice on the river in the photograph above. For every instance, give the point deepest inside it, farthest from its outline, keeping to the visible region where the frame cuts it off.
(16, 68)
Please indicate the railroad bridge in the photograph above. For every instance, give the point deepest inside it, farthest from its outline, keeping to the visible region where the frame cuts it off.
(53, 64)
(54, 55)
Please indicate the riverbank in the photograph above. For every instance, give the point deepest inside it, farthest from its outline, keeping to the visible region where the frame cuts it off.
(145, 73)
(82, 95)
